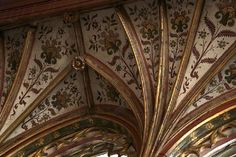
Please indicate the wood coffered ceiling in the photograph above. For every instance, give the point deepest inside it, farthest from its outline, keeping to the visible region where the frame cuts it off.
(139, 78)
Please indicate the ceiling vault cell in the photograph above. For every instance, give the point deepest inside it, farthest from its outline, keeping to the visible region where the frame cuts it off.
(29, 41)
(144, 78)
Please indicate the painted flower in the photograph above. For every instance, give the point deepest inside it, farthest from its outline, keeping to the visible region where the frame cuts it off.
(112, 94)
(61, 100)
(231, 74)
(14, 60)
(110, 42)
(222, 43)
(149, 29)
(227, 12)
(180, 21)
(51, 51)
(172, 43)
(202, 34)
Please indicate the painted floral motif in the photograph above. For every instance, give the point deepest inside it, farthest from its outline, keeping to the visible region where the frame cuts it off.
(146, 21)
(231, 74)
(14, 42)
(179, 15)
(215, 41)
(180, 21)
(106, 92)
(67, 96)
(221, 83)
(106, 37)
(51, 52)
(53, 48)
(227, 12)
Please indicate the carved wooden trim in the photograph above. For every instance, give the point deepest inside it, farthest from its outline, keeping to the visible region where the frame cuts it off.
(15, 144)
(28, 10)
(201, 119)
(29, 41)
(125, 91)
(206, 108)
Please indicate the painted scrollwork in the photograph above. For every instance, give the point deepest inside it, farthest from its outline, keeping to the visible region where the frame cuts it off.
(106, 141)
(209, 140)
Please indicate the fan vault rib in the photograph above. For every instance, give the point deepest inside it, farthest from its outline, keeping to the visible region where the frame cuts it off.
(19, 76)
(162, 85)
(147, 88)
(37, 101)
(128, 94)
(190, 40)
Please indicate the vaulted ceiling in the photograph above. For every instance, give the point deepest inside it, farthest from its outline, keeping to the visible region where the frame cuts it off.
(139, 78)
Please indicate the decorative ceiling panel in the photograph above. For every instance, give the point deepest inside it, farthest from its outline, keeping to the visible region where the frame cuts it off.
(179, 14)
(220, 84)
(69, 95)
(151, 70)
(105, 39)
(53, 49)
(144, 16)
(216, 33)
(103, 92)
(13, 47)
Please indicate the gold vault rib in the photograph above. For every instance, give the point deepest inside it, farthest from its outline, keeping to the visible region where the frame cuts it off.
(36, 102)
(184, 63)
(148, 94)
(162, 88)
(125, 91)
(19, 76)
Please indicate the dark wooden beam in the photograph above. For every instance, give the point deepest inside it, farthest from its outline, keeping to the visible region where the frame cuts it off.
(21, 11)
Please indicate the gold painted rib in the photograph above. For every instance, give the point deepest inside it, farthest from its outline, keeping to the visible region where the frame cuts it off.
(29, 41)
(81, 49)
(36, 102)
(183, 66)
(162, 87)
(125, 91)
(148, 94)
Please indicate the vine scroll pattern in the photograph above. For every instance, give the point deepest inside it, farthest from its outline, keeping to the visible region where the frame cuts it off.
(213, 38)
(67, 96)
(179, 19)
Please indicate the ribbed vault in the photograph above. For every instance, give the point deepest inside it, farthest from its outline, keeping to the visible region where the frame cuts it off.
(139, 78)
